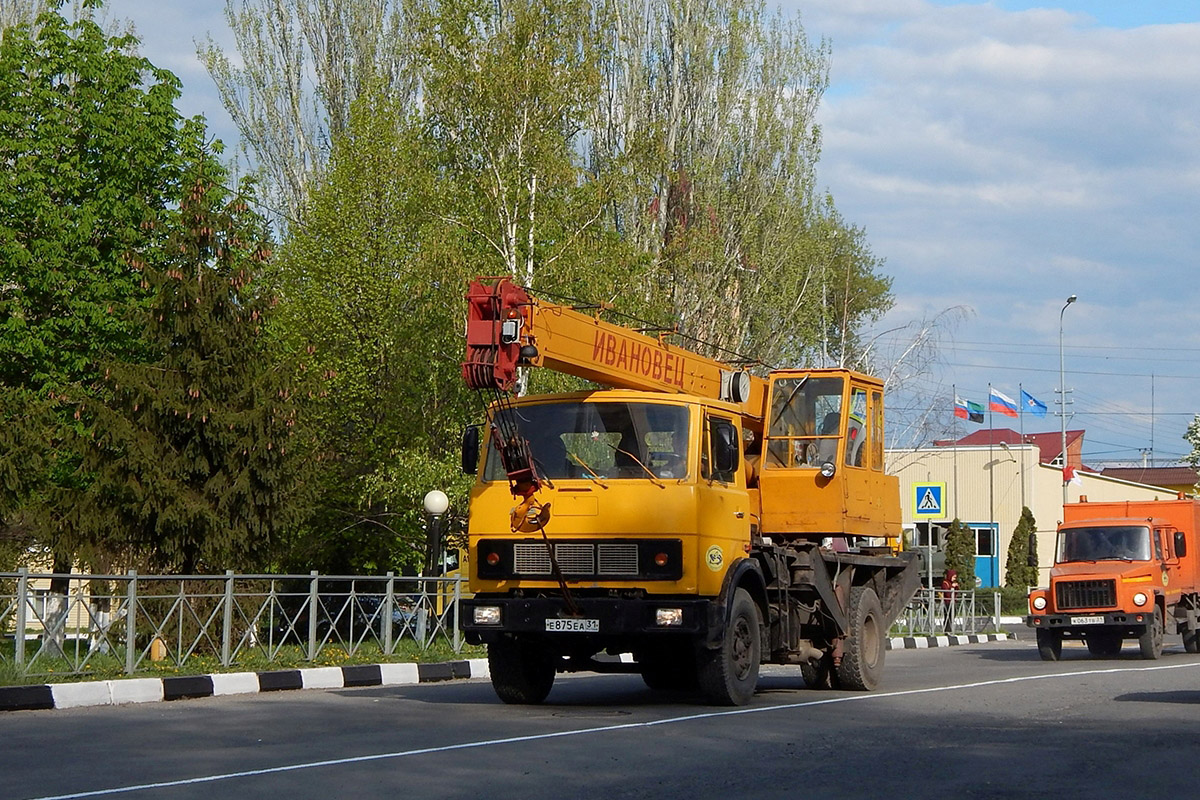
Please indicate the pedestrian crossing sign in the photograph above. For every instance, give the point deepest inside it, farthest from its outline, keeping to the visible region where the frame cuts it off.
(929, 500)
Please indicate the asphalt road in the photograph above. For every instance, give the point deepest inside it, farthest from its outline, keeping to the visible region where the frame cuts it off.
(979, 721)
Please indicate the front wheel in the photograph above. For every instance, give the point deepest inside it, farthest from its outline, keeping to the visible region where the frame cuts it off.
(729, 674)
(1151, 642)
(522, 671)
(865, 645)
(1049, 644)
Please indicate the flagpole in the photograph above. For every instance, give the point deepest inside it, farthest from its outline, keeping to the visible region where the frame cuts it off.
(1021, 421)
(954, 452)
(991, 482)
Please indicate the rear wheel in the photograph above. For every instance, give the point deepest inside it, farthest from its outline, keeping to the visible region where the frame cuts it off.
(1103, 645)
(1151, 642)
(865, 646)
(1191, 641)
(819, 674)
(1049, 645)
(729, 674)
(522, 671)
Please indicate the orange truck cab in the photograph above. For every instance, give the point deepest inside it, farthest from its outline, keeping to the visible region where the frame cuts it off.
(1122, 570)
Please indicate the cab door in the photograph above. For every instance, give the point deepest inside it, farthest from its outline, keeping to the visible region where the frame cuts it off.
(723, 505)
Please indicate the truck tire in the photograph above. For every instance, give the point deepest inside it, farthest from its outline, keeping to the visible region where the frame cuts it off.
(1049, 644)
(819, 674)
(1151, 642)
(1104, 645)
(866, 643)
(729, 674)
(1191, 641)
(522, 671)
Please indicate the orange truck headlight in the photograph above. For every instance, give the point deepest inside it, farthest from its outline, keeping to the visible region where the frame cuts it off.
(1140, 599)
(1038, 601)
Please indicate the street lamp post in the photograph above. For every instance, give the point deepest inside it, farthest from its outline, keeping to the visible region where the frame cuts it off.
(1062, 388)
(436, 504)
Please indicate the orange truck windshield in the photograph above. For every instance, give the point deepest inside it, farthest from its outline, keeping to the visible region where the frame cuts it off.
(1104, 543)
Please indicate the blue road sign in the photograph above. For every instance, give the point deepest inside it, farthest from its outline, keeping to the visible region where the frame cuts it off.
(929, 500)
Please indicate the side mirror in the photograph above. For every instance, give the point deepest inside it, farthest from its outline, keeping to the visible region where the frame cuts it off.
(1031, 559)
(1180, 544)
(725, 449)
(470, 450)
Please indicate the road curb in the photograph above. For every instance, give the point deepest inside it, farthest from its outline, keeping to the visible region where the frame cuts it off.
(922, 642)
(149, 690)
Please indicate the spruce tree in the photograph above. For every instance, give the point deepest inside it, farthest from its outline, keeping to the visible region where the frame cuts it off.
(960, 554)
(192, 456)
(1019, 572)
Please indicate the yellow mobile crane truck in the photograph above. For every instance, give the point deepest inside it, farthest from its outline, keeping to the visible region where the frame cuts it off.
(700, 518)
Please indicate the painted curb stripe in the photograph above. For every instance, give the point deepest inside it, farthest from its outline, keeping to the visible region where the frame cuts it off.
(280, 680)
(362, 675)
(26, 698)
(187, 686)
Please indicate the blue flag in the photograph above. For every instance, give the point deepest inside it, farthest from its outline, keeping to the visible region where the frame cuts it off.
(1032, 404)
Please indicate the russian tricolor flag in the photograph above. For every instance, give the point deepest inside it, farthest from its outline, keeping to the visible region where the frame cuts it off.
(1001, 403)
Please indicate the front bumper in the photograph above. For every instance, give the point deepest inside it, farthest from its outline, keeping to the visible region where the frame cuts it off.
(616, 619)
(1128, 624)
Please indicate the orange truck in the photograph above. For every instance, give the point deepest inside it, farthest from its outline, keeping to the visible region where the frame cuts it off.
(692, 518)
(1122, 570)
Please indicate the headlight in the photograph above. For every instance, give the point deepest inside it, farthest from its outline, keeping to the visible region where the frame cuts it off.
(668, 617)
(487, 615)
(1139, 599)
(1039, 603)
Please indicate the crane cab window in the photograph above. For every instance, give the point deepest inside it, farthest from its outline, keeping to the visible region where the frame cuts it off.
(805, 422)
(856, 428)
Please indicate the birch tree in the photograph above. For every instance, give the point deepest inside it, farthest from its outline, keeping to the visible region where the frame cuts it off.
(299, 66)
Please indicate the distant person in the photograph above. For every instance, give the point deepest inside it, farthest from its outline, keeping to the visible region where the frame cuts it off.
(949, 592)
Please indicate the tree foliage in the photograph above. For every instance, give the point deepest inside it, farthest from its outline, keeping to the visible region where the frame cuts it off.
(960, 553)
(302, 65)
(1019, 572)
(193, 455)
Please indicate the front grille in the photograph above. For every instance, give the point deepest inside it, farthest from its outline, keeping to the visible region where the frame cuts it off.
(1071, 595)
(618, 559)
(573, 559)
(649, 559)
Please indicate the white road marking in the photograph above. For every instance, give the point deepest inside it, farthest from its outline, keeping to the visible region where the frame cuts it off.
(854, 698)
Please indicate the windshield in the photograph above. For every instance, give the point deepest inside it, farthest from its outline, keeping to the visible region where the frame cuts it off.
(805, 421)
(1107, 543)
(601, 440)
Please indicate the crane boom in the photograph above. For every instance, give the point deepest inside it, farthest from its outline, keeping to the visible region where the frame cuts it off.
(507, 328)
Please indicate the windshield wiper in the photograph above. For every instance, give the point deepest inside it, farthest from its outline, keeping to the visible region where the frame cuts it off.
(588, 471)
(654, 478)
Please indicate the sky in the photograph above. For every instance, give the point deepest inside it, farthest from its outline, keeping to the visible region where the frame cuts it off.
(1000, 156)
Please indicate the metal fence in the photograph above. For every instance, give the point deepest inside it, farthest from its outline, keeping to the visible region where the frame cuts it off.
(939, 611)
(131, 619)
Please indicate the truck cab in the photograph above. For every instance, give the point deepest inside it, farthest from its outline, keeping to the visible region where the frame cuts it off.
(1117, 578)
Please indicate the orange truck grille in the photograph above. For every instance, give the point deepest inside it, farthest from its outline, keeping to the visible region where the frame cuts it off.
(1070, 595)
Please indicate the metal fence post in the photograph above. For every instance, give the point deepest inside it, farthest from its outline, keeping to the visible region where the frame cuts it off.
(227, 621)
(996, 611)
(131, 622)
(22, 610)
(457, 598)
(313, 603)
(388, 606)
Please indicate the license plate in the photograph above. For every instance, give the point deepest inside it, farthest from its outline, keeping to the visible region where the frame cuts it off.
(572, 626)
(1087, 620)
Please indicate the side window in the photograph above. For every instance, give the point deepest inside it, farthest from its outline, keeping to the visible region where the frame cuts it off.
(856, 428)
(1158, 547)
(722, 437)
(877, 431)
